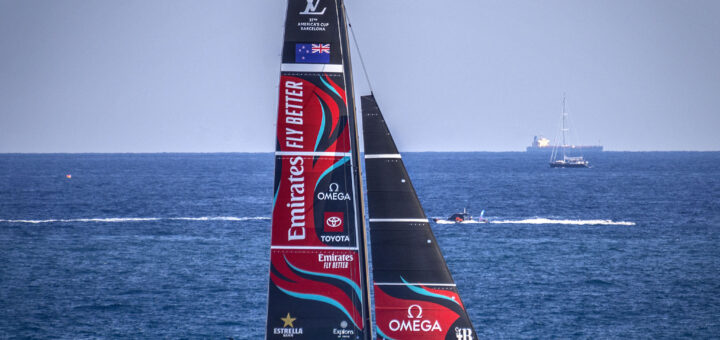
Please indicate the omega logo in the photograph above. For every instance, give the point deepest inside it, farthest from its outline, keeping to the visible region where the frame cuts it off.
(419, 314)
(333, 194)
(414, 322)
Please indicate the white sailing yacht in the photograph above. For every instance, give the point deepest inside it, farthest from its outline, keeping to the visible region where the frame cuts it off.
(566, 161)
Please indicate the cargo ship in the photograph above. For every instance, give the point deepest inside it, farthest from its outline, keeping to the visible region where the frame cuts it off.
(542, 144)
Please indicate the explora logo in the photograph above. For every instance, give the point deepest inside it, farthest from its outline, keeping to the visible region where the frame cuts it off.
(414, 322)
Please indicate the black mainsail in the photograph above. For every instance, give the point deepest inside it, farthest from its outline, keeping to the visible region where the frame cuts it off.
(415, 295)
(318, 285)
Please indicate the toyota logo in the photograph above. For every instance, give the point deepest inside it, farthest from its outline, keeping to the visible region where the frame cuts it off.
(333, 221)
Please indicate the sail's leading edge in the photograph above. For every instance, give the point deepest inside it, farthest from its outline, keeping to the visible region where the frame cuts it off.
(318, 276)
(415, 295)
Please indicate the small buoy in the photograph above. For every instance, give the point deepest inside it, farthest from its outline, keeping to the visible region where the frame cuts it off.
(68, 176)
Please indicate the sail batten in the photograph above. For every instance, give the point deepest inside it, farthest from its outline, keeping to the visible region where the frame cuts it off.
(383, 155)
(418, 220)
(413, 284)
(312, 68)
(312, 153)
(313, 248)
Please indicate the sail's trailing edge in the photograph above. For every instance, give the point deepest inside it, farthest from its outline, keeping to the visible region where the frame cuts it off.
(318, 284)
(415, 295)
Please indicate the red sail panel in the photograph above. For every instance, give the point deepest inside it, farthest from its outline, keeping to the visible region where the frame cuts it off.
(410, 319)
(312, 113)
(314, 203)
(402, 313)
(320, 278)
(318, 284)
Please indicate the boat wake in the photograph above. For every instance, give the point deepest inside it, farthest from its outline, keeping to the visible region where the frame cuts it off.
(139, 219)
(263, 218)
(569, 222)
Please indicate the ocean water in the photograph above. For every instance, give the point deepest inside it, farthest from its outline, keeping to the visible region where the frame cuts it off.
(177, 245)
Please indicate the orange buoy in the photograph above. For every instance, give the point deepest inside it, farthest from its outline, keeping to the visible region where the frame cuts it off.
(68, 176)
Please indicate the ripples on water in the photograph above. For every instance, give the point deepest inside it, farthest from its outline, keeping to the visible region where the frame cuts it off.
(176, 246)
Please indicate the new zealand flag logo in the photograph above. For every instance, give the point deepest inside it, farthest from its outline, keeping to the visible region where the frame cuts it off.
(312, 53)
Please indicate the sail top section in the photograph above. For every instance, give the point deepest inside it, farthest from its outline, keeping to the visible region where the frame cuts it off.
(313, 102)
(375, 130)
(312, 34)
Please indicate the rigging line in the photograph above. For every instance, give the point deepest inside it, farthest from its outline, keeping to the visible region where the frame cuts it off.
(357, 46)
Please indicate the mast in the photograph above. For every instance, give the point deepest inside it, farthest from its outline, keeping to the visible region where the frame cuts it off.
(357, 169)
(415, 294)
(318, 285)
(564, 117)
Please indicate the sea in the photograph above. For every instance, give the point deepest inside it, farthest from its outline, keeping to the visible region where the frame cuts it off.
(176, 246)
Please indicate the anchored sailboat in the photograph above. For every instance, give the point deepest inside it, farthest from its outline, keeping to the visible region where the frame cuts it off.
(566, 161)
(319, 286)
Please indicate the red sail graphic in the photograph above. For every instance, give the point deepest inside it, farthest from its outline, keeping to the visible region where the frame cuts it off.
(311, 188)
(412, 319)
(305, 108)
(318, 279)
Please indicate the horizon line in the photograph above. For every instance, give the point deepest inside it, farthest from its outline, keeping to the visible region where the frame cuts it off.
(271, 152)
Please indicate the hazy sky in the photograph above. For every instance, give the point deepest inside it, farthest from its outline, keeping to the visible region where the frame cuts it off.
(201, 76)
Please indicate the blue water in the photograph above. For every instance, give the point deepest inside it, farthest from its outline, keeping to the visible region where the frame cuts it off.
(176, 245)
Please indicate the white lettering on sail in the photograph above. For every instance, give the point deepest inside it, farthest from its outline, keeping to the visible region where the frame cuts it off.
(333, 194)
(313, 25)
(414, 323)
(311, 8)
(293, 114)
(297, 200)
(335, 261)
(335, 238)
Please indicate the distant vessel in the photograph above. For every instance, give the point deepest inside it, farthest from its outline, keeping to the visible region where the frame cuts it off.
(464, 216)
(542, 144)
(566, 161)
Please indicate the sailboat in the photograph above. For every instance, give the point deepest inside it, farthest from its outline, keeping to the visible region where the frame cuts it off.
(319, 285)
(566, 161)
